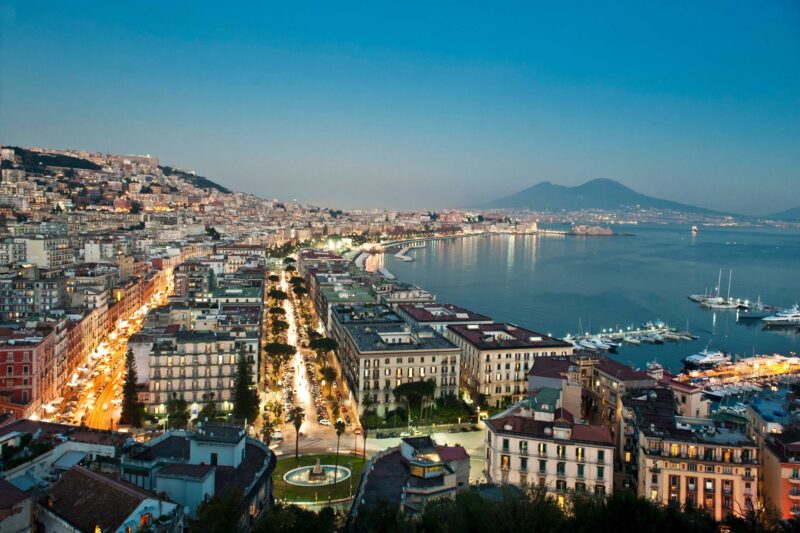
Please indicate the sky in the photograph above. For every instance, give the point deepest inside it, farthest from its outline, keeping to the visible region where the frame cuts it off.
(420, 104)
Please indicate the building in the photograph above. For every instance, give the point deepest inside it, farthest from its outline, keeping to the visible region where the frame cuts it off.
(16, 508)
(193, 364)
(31, 291)
(412, 474)
(495, 358)
(377, 357)
(86, 501)
(46, 252)
(536, 442)
(28, 376)
(687, 460)
(191, 467)
(439, 316)
(193, 280)
(772, 424)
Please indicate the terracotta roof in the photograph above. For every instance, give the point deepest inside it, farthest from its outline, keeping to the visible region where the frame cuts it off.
(588, 433)
(434, 312)
(620, 371)
(10, 495)
(87, 499)
(452, 453)
(550, 367)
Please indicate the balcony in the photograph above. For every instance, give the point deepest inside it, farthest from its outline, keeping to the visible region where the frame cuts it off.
(794, 494)
(794, 479)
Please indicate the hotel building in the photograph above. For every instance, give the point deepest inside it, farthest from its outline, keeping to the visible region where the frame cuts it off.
(495, 358)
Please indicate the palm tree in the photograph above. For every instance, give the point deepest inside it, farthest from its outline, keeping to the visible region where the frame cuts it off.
(368, 401)
(296, 415)
(339, 425)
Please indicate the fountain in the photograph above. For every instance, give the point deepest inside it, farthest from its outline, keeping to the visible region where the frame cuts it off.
(317, 475)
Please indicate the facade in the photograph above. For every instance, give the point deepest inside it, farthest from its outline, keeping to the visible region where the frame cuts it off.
(495, 358)
(377, 357)
(31, 291)
(28, 377)
(537, 443)
(192, 364)
(687, 460)
(46, 252)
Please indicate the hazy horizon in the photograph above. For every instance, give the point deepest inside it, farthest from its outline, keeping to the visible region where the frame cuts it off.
(420, 105)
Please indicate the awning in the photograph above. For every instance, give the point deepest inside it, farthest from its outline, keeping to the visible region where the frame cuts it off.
(69, 459)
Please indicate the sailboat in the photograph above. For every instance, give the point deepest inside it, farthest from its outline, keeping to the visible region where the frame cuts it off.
(720, 303)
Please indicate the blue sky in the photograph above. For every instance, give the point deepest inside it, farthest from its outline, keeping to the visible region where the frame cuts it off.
(408, 104)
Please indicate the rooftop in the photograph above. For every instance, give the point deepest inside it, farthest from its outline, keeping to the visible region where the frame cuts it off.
(437, 312)
(498, 336)
(359, 313)
(396, 338)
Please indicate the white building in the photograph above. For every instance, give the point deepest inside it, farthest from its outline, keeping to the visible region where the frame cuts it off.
(537, 443)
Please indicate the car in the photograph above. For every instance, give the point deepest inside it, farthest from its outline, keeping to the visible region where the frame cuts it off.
(105, 407)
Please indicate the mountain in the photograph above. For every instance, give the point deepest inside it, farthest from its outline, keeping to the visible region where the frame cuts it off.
(789, 214)
(594, 194)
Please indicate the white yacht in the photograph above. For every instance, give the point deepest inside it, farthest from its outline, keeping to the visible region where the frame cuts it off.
(706, 359)
(788, 317)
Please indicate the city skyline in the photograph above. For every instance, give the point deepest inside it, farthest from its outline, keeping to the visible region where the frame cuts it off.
(418, 107)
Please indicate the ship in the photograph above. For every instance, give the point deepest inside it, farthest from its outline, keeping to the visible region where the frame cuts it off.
(787, 317)
(706, 359)
(694, 230)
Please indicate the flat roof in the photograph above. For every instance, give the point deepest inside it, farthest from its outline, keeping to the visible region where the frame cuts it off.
(499, 336)
(438, 312)
(370, 338)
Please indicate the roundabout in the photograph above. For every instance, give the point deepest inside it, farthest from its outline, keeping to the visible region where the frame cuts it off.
(310, 478)
(318, 475)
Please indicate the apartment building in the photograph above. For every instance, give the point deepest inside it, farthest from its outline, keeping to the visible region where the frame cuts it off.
(31, 291)
(46, 252)
(29, 370)
(377, 357)
(495, 358)
(687, 460)
(536, 442)
(772, 425)
(194, 363)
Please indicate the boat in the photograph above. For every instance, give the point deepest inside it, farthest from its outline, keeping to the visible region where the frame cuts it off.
(598, 342)
(787, 317)
(706, 359)
(721, 303)
(589, 345)
(694, 230)
(757, 311)
(647, 339)
(631, 340)
(658, 339)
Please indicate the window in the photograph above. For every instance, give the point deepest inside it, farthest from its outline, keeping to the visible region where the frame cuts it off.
(505, 445)
(523, 464)
(581, 470)
(214, 459)
(580, 453)
(505, 462)
(561, 468)
(561, 450)
(9, 370)
(601, 472)
(601, 456)
(542, 466)
(580, 487)
(542, 449)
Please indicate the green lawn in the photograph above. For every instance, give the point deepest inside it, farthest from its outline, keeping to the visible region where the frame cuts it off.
(286, 491)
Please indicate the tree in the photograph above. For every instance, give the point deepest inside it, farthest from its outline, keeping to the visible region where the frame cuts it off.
(329, 374)
(296, 416)
(290, 268)
(339, 425)
(131, 408)
(274, 278)
(267, 427)
(297, 280)
(289, 260)
(177, 412)
(415, 389)
(368, 401)
(209, 410)
(281, 518)
(299, 290)
(245, 396)
(277, 311)
(220, 514)
(279, 326)
(322, 345)
(277, 294)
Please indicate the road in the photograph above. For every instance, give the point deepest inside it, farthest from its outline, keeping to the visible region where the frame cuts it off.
(97, 416)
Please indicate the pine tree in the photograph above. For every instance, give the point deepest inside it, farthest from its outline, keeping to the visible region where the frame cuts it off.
(245, 396)
(131, 408)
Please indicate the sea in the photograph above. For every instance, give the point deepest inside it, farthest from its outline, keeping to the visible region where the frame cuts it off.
(567, 284)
